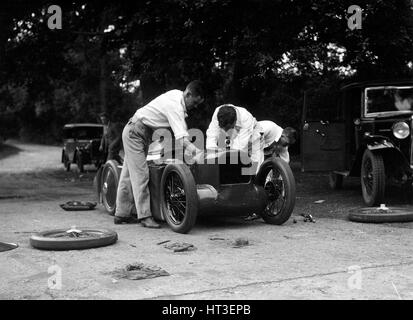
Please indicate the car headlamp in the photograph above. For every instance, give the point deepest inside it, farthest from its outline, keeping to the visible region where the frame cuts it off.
(401, 130)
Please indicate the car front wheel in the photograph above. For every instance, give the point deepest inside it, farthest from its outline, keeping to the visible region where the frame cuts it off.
(373, 178)
(179, 198)
(276, 177)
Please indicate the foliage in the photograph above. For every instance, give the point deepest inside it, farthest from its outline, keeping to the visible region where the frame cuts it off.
(261, 54)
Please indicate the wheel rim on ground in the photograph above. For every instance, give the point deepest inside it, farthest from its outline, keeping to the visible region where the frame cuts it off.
(175, 198)
(59, 234)
(73, 239)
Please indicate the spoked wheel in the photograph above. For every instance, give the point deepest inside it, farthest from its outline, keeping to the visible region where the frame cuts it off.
(110, 180)
(179, 198)
(373, 178)
(276, 177)
(73, 239)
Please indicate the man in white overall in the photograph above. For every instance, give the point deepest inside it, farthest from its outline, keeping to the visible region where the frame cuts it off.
(240, 128)
(277, 139)
(167, 110)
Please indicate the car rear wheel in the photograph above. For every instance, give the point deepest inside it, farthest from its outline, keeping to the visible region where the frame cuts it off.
(179, 198)
(109, 184)
(276, 177)
(373, 178)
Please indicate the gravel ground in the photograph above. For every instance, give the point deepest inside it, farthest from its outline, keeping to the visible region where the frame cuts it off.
(299, 260)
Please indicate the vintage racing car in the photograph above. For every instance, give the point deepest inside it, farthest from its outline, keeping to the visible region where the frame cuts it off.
(181, 192)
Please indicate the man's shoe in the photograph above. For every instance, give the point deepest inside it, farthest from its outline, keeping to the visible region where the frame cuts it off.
(150, 223)
(120, 220)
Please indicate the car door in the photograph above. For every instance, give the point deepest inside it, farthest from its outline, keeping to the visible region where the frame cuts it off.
(323, 134)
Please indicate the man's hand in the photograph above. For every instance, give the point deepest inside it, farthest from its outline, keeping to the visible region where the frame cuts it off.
(193, 154)
(199, 157)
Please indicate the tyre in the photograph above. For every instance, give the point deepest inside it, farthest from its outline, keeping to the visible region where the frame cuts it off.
(79, 162)
(276, 177)
(372, 215)
(109, 185)
(373, 178)
(179, 198)
(61, 239)
(335, 181)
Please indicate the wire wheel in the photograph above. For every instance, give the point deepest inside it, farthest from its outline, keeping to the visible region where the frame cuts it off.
(179, 198)
(175, 198)
(110, 181)
(277, 179)
(275, 189)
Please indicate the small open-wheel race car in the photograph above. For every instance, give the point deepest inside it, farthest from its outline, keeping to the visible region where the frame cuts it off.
(181, 192)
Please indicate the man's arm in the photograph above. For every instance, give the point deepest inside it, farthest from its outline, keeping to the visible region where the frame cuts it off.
(213, 132)
(178, 125)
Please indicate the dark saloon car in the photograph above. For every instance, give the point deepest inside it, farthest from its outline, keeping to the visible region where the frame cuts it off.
(81, 143)
(367, 134)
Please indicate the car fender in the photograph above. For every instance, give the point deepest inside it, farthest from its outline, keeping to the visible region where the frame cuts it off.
(392, 156)
(378, 142)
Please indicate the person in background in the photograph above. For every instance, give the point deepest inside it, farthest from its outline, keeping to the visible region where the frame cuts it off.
(111, 143)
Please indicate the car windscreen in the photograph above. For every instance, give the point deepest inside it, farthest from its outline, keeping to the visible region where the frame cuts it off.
(83, 133)
(388, 100)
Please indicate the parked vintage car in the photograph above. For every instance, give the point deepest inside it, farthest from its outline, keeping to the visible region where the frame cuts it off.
(81, 143)
(368, 134)
(180, 192)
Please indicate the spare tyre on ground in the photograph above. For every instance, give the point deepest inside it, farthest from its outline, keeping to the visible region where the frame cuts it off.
(73, 239)
(380, 215)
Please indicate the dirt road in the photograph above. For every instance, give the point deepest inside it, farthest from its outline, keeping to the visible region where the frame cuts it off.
(332, 258)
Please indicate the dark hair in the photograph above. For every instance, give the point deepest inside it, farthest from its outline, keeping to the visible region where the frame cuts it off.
(291, 133)
(196, 87)
(103, 114)
(226, 115)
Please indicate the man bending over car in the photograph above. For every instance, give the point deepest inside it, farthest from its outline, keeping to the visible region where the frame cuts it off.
(239, 129)
(277, 139)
